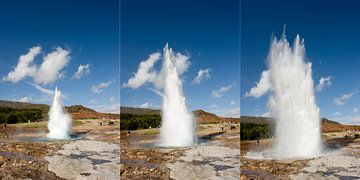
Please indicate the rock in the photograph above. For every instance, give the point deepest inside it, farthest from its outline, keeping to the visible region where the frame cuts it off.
(243, 177)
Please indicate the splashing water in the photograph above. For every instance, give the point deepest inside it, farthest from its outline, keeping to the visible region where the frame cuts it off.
(292, 102)
(59, 124)
(177, 127)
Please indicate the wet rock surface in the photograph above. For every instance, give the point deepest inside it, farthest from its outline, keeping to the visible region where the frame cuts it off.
(270, 169)
(207, 162)
(140, 159)
(23, 158)
(344, 164)
(146, 163)
(20, 160)
(86, 159)
(340, 161)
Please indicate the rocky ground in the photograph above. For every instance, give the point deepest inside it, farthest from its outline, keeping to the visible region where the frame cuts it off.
(217, 158)
(86, 159)
(95, 155)
(341, 160)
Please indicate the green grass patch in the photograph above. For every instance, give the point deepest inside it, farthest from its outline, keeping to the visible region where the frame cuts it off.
(252, 131)
(77, 123)
(211, 122)
(141, 121)
(34, 125)
(151, 132)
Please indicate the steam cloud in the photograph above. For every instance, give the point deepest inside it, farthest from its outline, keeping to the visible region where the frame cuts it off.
(59, 124)
(291, 101)
(147, 74)
(177, 127)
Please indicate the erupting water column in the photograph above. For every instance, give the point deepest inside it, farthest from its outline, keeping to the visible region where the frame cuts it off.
(292, 101)
(177, 128)
(59, 124)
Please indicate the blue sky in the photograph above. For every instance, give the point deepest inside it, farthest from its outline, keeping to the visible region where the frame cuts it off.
(207, 31)
(88, 32)
(331, 33)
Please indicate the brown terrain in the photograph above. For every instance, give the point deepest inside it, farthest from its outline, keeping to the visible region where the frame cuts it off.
(76, 111)
(22, 159)
(331, 126)
(326, 124)
(203, 117)
(335, 136)
(149, 162)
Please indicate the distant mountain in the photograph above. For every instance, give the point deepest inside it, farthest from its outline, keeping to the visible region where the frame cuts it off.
(324, 120)
(138, 111)
(77, 111)
(202, 113)
(326, 124)
(20, 105)
(256, 120)
(201, 116)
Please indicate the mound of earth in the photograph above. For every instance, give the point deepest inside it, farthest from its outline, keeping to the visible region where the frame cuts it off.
(201, 116)
(76, 111)
(326, 124)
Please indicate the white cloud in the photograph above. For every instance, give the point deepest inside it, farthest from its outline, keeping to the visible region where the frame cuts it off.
(111, 99)
(100, 87)
(343, 99)
(181, 62)
(145, 72)
(355, 110)
(348, 120)
(234, 113)
(266, 114)
(336, 114)
(261, 87)
(354, 120)
(220, 92)
(43, 90)
(323, 82)
(232, 102)
(201, 75)
(24, 99)
(49, 70)
(83, 69)
(49, 92)
(156, 92)
(25, 66)
(214, 106)
(108, 108)
(145, 105)
(93, 101)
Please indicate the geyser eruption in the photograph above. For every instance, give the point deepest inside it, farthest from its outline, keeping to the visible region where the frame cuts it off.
(177, 127)
(59, 124)
(291, 102)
